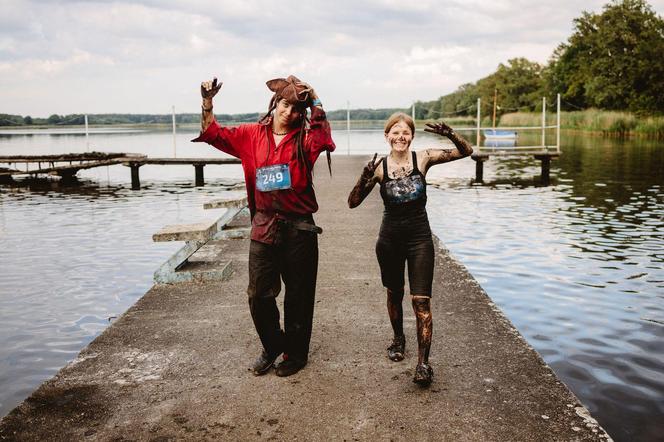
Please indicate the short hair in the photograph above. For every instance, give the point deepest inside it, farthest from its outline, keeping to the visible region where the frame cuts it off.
(397, 117)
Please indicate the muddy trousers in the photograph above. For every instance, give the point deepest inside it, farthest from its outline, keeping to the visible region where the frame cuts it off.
(294, 259)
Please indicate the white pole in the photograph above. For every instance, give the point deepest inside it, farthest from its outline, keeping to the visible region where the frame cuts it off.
(543, 121)
(348, 124)
(558, 125)
(174, 145)
(413, 112)
(478, 126)
(87, 135)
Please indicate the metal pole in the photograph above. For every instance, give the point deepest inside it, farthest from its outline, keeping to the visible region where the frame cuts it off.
(413, 112)
(543, 121)
(348, 123)
(478, 126)
(87, 135)
(558, 125)
(174, 145)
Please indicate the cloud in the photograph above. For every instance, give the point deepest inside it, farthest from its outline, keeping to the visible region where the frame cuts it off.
(151, 54)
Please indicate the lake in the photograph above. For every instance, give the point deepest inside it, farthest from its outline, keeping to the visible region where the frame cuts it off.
(576, 265)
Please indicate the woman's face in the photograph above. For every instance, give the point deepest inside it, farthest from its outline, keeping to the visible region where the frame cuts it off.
(286, 114)
(399, 136)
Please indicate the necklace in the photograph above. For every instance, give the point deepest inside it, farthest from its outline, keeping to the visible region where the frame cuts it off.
(279, 134)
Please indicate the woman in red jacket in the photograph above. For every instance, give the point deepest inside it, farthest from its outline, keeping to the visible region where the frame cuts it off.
(278, 153)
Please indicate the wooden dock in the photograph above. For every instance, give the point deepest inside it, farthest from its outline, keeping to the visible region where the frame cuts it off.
(67, 165)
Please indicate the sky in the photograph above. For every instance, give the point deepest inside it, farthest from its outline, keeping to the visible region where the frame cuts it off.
(146, 56)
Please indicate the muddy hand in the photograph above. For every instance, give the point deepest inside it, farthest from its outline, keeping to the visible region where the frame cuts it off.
(371, 166)
(441, 129)
(210, 88)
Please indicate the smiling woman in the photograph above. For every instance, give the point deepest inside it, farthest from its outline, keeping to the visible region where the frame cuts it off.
(405, 235)
(277, 156)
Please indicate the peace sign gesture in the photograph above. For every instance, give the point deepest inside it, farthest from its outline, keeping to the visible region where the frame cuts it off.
(371, 166)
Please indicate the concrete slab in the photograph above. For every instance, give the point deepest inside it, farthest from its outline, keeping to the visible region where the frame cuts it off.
(174, 366)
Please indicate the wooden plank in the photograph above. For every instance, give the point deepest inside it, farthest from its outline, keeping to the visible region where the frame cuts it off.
(90, 156)
(231, 200)
(186, 232)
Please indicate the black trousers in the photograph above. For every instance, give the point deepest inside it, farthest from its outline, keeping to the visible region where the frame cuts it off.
(293, 258)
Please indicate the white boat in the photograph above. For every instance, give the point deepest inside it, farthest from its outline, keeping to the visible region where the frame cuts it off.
(493, 134)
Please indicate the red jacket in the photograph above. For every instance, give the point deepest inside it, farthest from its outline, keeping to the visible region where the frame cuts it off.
(249, 143)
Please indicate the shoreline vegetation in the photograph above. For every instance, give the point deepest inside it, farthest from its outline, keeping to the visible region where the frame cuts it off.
(606, 123)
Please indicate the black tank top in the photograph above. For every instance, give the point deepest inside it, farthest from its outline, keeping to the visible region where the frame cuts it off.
(406, 195)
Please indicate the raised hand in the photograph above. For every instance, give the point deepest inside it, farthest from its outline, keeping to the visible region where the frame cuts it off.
(210, 88)
(441, 129)
(371, 166)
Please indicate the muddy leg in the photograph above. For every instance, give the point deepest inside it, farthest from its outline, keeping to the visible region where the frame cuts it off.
(395, 310)
(422, 309)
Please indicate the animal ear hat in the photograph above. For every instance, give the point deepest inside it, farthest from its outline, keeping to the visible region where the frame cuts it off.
(290, 90)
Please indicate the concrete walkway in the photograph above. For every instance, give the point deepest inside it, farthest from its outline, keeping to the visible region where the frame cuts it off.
(174, 366)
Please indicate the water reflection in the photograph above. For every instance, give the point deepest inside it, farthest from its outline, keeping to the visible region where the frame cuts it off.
(576, 266)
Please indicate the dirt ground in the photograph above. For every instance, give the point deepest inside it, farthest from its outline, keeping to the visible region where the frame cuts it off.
(175, 365)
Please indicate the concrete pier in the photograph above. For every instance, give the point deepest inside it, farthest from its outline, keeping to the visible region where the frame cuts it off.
(174, 366)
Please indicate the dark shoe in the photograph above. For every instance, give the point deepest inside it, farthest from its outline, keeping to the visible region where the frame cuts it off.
(289, 367)
(263, 363)
(423, 375)
(396, 351)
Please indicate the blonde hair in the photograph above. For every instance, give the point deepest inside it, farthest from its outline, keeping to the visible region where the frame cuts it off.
(397, 117)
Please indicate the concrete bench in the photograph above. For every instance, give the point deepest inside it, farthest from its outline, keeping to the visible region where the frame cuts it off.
(196, 236)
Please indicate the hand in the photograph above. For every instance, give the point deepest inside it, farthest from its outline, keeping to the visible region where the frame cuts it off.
(371, 166)
(441, 129)
(308, 89)
(210, 88)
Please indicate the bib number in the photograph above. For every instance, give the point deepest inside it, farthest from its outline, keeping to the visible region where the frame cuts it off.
(271, 178)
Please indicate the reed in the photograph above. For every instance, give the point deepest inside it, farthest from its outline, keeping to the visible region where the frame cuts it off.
(610, 123)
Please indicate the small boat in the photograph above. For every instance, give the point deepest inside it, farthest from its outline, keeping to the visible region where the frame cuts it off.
(498, 135)
(493, 134)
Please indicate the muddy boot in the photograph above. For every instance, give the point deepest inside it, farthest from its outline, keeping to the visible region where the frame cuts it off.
(396, 351)
(263, 363)
(423, 375)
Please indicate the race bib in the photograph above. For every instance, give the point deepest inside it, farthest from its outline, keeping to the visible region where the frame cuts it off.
(271, 178)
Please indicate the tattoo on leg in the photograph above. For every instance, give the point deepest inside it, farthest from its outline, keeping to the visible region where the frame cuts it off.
(395, 310)
(422, 309)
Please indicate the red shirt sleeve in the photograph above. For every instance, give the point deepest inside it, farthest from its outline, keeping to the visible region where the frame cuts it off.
(319, 136)
(231, 140)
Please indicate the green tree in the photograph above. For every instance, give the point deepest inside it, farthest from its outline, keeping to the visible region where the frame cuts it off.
(613, 60)
(27, 120)
(54, 119)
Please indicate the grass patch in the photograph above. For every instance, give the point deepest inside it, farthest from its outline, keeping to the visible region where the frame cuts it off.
(609, 123)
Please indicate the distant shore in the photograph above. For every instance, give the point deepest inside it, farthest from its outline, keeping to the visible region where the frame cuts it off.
(605, 123)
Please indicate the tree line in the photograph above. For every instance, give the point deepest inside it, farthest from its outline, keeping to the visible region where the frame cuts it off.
(612, 61)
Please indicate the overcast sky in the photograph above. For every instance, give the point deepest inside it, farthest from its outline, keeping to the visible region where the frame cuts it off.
(146, 56)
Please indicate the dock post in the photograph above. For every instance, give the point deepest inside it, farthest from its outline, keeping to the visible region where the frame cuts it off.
(479, 166)
(546, 167)
(200, 181)
(135, 181)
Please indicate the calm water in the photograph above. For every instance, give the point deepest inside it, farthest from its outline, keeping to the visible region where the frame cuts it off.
(576, 266)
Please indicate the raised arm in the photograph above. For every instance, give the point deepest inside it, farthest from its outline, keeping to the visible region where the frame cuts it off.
(232, 140)
(437, 156)
(365, 184)
(208, 90)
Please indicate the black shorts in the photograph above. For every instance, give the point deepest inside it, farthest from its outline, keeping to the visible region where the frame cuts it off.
(406, 240)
